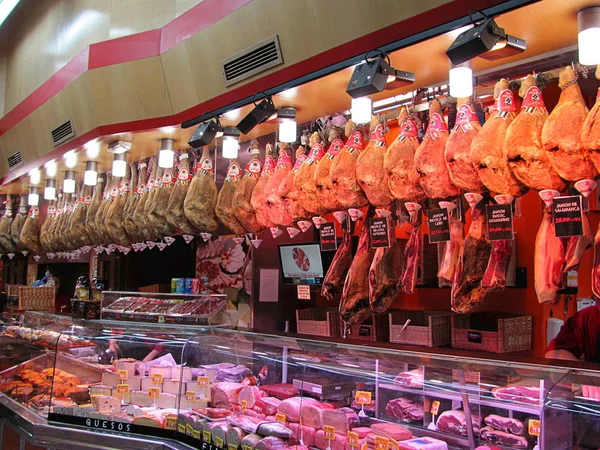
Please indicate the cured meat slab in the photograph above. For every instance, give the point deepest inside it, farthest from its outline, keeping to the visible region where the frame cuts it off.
(224, 208)
(304, 179)
(385, 271)
(506, 424)
(501, 438)
(343, 173)
(325, 191)
(201, 199)
(336, 274)
(454, 422)
(590, 132)
(370, 173)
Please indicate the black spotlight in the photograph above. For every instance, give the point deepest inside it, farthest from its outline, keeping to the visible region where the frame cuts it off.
(260, 113)
(205, 133)
(374, 74)
(485, 39)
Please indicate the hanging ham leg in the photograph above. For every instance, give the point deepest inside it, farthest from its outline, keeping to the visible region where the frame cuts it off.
(494, 277)
(590, 132)
(334, 279)
(452, 247)
(408, 276)
(576, 245)
(549, 259)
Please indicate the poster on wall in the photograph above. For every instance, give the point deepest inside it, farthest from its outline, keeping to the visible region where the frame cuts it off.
(269, 286)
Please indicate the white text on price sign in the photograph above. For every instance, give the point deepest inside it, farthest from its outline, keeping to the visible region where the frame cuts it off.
(362, 398)
(534, 427)
(329, 432)
(353, 439)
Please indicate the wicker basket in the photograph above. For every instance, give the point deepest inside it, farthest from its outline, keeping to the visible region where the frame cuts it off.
(427, 328)
(492, 332)
(37, 298)
(12, 290)
(318, 322)
(375, 329)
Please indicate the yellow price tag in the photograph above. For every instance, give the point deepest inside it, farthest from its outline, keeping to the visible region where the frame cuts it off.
(157, 378)
(181, 428)
(190, 396)
(394, 444)
(122, 389)
(244, 404)
(171, 423)
(153, 392)
(196, 434)
(232, 447)
(353, 439)
(122, 375)
(246, 447)
(206, 436)
(329, 432)
(189, 430)
(382, 443)
(280, 418)
(362, 398)
(161, 319)
(435, 408)
(535, 427)
(203, 381)
(218, 441)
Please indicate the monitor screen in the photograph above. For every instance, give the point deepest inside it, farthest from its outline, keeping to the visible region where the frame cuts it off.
(301, 263)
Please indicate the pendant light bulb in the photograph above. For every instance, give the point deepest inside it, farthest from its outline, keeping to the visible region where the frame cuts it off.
(588, 22)
(362, 110)
(71, 159)
(288, 131)
(35, 176)
(90, 177)
(51, 168)
(69, 183)
(33, 198)
(461, 80)
(230, 148)
(166, 156)
(119, 165)
(50, 190)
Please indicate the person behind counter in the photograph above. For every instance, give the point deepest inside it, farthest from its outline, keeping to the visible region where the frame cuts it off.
(142, 350)
(578, 338)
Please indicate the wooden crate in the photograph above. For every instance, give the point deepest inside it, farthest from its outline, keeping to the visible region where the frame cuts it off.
(426, 328)
(318, 322)
(492, 332)
(375, 329)
(37, 298)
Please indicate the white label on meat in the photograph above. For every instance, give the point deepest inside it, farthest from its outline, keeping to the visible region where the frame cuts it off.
(87, 200)
(206, 164)
(167, 177)
(114, 191)
(233, 170)
(183, 174)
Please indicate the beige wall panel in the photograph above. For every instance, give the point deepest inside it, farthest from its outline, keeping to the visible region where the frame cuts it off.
(135, 16)
(182, 6)
(130, 91)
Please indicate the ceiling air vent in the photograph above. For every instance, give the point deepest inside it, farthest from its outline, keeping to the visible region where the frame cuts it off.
(253, 60)
(63, 133)
(15, 160)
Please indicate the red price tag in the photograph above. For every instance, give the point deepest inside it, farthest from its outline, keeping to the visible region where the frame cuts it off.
(329, 432)
(362, 398)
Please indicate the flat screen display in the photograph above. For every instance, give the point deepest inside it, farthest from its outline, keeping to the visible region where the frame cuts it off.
(301, 263)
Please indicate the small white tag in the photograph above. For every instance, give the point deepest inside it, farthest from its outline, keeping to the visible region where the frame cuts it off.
(256, 242)
(205, 236)
(293, 232)
(188, 238)
(161, 246)
(303, 292)
(10, 255)
(25, 252)
(37, 257)
(150, 244)
(276, 232)
(169, 240)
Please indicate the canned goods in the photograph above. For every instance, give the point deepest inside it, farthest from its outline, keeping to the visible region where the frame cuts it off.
(180, 286)
(174, 285)
(188, 286)
(195, 285)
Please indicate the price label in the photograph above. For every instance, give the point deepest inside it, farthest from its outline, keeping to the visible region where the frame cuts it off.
(196, 434)
(246, 447)
(500, 222)
(161, 319)
(218, 441)
(157, 378)
(244, 405)
(303, 292)
(190, 396)
(203, 381)
(439, 225)
(534, 427)
(232, 447)
(362, 398)
(171, 423)
(329, 432)
(122, 389)
(435, 407)
(280, 418)
(566, 215)
(181, 428)
(382, 443)
(206, 436)
(394, 444)
(328, 237)
(153, 392)
(122, 375)
(353, 439)
(379, 232)
(189, 430)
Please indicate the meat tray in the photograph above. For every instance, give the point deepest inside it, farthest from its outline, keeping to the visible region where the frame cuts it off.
(323, 389)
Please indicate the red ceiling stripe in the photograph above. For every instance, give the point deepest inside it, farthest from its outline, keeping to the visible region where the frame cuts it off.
(125, 49)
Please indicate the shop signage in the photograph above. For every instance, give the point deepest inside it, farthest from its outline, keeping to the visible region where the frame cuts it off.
(303, 292)
(500, 222)
(379, 232)
(566, 215)
(328, 237)
(439, 225)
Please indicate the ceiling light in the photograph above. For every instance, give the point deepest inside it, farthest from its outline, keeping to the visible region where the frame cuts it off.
(461, 80)
(231, 144)
(35, 176)
(205, 133)
(70, 159)
(33, 198)
(168, 130)
(260, 113)
(118, 147)
(289, 93)
(588, 22)
(361, 110)
(288, 131)
(119, 165)
(166, 156)
(51, 168)
(485, 39)
(50, 190)
(92, 149)
(6, 7)
(375, 75)
(69, 183)
(90, 177)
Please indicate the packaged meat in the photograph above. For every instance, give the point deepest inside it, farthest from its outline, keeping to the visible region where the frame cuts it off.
(302, 433)
(225, 394)
(342, 419)
(404, 409)
(339, 443)
(522, 394)
(249, 395)
(423, 443)
(361, 431)
(234, 437)
(270, 443)
(391, 431)
(280, 391)
(506, 424)
(455, 422)
(305, 410)
(267, 405)
(411, 378)
(501, 438)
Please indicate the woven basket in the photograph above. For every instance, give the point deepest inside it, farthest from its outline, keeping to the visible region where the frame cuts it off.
(37, 298)
(427, 328)
(12, 290)
(375, 329)
(492, 332)
(318, 322)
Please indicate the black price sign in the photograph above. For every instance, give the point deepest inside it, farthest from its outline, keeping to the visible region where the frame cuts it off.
(500, 222)
(566, 214)
(439, 225)
(328, 237)
(378, 230)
